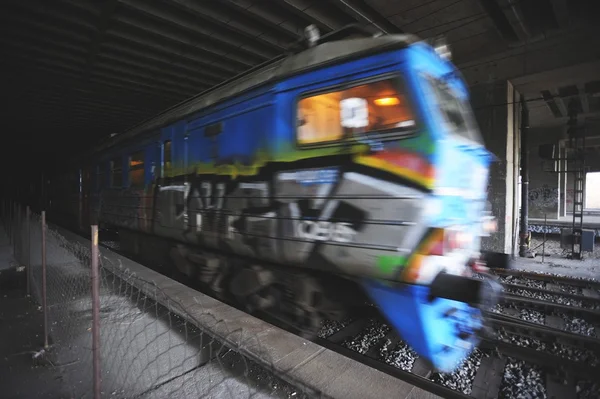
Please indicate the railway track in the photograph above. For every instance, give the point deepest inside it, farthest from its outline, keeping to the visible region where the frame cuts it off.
(549, 278)
(561, 296)
(551, 307)
(490, 365)
(489, 373)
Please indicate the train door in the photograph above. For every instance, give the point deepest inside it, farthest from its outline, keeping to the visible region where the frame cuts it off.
(171, 186)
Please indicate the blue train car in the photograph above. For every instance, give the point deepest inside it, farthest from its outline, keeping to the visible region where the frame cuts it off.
(352, 167)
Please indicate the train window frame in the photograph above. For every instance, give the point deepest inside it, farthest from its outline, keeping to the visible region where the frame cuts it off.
(112, 172)
(437, 86)
(386, 134)
(133, 168)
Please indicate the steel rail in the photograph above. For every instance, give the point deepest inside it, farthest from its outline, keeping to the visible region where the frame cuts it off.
(595, 301)
(537, 304)
(579, 282)
(546, 333)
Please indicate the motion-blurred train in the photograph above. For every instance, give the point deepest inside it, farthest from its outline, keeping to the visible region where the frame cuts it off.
(352, 168)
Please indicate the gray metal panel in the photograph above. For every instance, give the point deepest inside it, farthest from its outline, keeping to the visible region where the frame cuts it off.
(320, 55)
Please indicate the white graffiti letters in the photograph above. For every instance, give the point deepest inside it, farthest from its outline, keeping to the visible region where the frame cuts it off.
(325, 231)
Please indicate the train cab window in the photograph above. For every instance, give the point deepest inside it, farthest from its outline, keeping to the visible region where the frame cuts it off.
(456, 112)
(166, 158)
(136, 169)
(116, 172)
(372, 107)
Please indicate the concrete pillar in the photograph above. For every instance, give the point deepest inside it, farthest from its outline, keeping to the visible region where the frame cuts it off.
(497, 112)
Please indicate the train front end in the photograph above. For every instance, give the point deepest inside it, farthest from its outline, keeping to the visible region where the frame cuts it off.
(440, 296)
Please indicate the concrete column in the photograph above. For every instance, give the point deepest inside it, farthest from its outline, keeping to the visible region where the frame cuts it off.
(496, 110)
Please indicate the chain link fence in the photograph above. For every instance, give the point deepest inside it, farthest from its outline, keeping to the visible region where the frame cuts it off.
(148, 345)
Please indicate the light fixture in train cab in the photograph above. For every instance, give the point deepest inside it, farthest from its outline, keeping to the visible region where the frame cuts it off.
(387, 101)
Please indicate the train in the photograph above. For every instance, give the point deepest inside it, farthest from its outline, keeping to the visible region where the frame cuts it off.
(349, 170)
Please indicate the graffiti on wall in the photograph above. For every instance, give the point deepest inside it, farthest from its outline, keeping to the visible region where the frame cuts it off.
(540, 228)
(544, 196)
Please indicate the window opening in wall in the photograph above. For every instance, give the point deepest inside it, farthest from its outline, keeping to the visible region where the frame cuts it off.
(166, 158)
(116, 172)
(592, 194)
(136, 169)
(353, 112)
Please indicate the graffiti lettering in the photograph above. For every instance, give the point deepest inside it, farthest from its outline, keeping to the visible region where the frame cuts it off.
(325, 231)
(543, 196)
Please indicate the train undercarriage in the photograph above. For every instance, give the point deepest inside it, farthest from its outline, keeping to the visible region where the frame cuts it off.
(300, 299)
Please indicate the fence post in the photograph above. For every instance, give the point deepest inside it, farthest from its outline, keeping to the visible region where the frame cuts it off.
(10, 226)
(44, 280)
(28, 256)
(18, 234)
(95, 312)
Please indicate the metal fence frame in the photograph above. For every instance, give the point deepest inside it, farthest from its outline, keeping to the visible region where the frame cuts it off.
(21, 224)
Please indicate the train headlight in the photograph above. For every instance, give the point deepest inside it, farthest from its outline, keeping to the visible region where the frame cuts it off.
(441, 47)
(312, 35)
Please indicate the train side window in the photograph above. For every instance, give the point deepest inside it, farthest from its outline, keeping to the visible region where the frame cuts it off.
(379, 106)
(136, 169)
(116, 172)
(166, 158)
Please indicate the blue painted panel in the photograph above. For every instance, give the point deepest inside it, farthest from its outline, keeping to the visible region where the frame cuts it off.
(423, 325)
(245, 129)
(198, 146)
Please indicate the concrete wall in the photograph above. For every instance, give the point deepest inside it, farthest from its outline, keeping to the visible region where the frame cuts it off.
(496, 110)
(544, 193)
(551, 194)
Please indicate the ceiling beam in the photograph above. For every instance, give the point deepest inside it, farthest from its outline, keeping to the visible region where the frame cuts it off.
(227, 20)
(109, 7)
(181, 66)
(201, 38)
(309, 11)
(501, 22)
(269, 14)
(184, 50)
(367, 15)
(169, 72)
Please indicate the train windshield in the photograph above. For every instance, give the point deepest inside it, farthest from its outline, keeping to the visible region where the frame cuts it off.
(456, 112)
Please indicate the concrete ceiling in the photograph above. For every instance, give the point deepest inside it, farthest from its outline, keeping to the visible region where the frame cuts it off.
(548, 94)
(75, 71)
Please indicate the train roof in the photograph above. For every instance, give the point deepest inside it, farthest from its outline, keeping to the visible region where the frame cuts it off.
(321, 55)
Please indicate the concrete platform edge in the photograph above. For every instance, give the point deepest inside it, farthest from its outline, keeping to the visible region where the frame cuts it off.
(304, 364)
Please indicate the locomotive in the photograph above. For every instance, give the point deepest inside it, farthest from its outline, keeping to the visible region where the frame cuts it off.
(350, 169)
